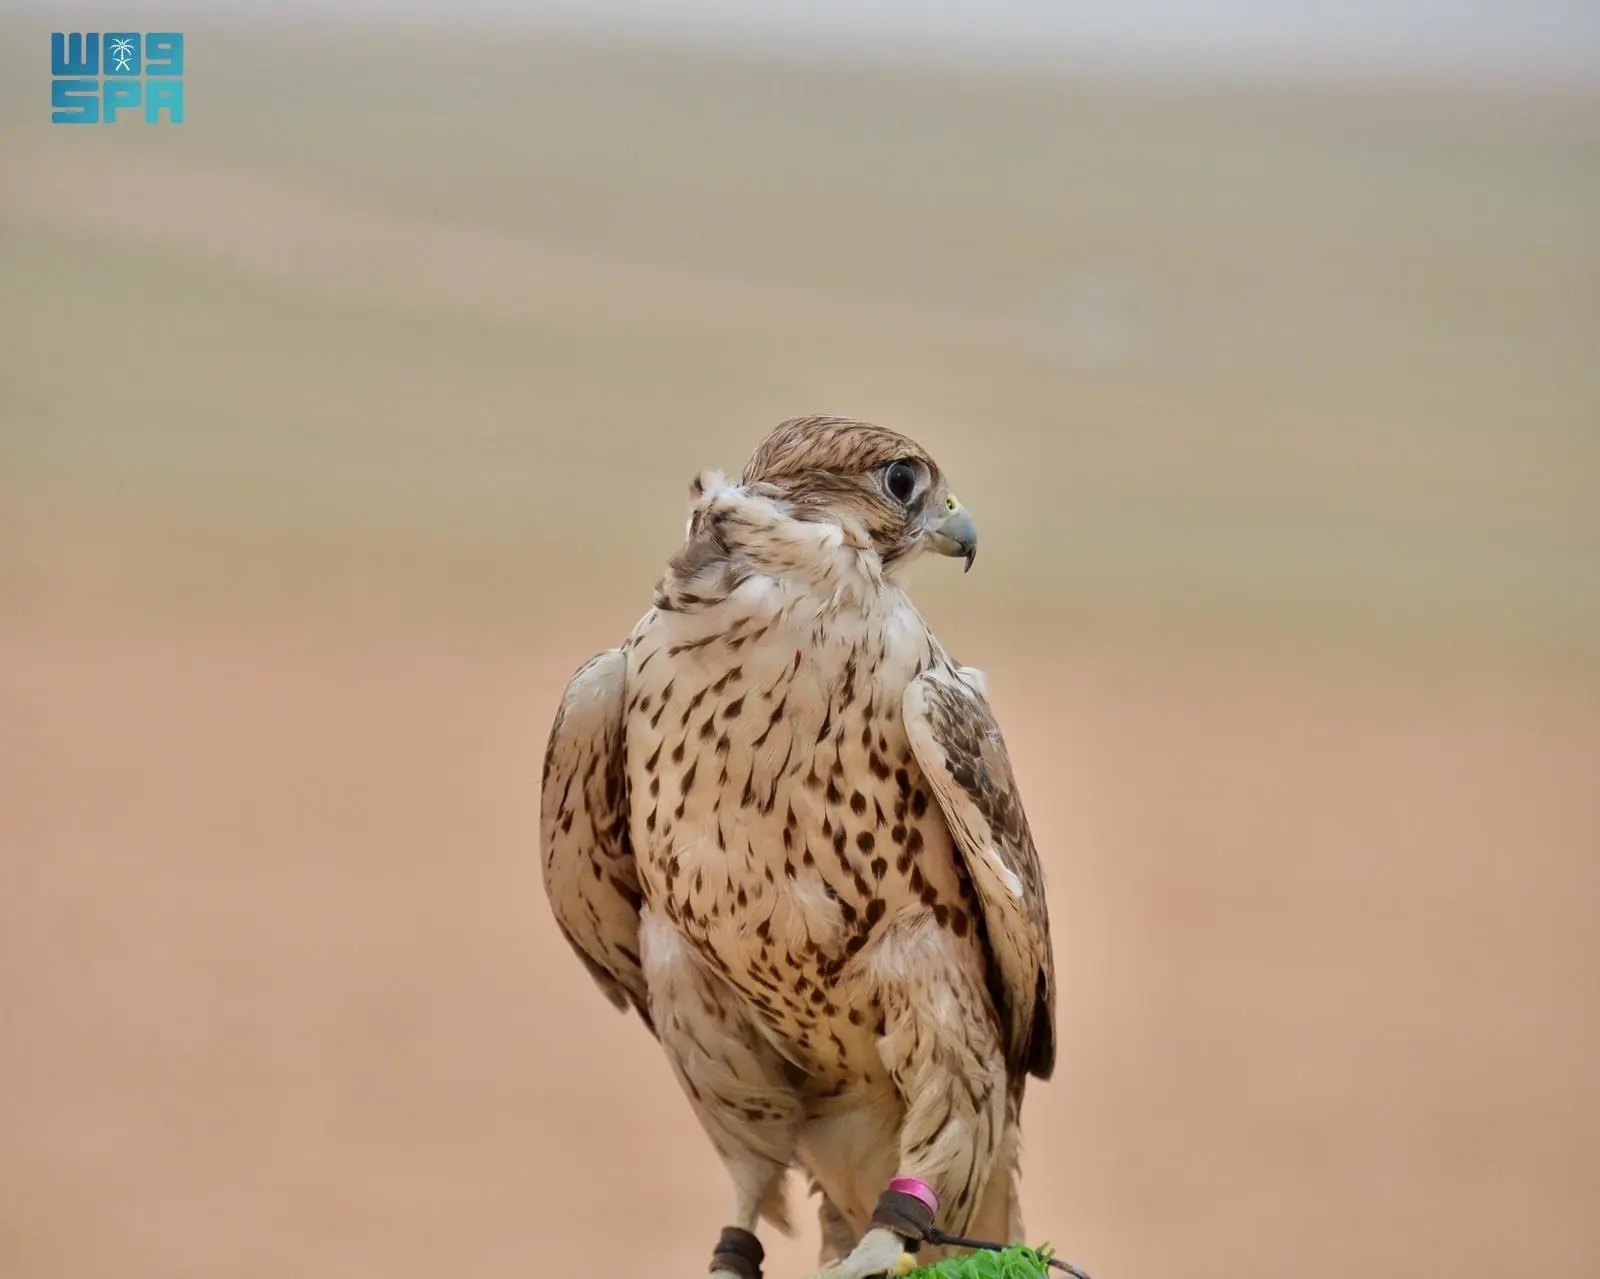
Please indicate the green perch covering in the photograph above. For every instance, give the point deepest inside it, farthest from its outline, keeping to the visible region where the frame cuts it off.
(1013, 1263)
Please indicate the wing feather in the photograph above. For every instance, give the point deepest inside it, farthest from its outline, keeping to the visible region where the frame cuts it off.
(589, 872)
(958, 746)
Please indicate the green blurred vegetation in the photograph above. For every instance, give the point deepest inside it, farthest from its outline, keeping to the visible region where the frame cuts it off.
(1012, 1263)
(1318, 359)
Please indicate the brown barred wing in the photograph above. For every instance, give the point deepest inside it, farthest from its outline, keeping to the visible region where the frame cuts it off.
(959, 749)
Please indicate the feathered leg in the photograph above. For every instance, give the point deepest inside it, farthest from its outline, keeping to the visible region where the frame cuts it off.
(941, 1049)
(735, 1082)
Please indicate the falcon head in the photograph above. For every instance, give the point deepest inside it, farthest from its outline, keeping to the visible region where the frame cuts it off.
(883, 490)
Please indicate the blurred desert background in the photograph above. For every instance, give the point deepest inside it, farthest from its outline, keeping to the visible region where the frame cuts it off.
(341, 424)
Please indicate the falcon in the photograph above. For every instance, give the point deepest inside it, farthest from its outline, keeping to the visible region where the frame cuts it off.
(780, 824)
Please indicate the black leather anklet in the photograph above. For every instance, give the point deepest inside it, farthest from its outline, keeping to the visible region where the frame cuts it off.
(904, 1214)
(739, 1252)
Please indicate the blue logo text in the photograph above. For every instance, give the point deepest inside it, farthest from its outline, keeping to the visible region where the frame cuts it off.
(94, 76)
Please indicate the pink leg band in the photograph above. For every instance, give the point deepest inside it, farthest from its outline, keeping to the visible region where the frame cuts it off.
(917, 1189)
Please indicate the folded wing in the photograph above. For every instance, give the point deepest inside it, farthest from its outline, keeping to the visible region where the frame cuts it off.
(958, 746)
(589, 871)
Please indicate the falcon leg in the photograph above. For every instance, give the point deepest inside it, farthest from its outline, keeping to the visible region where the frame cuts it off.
(737, 1085)
(943, 1053)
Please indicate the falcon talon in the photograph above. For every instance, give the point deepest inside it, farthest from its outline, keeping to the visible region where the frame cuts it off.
(880, 1253)
(780, 824)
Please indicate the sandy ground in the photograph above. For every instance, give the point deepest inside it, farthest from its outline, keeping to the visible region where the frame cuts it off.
(282, 996)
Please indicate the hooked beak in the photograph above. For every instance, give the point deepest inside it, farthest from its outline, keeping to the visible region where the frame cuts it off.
(955, 534)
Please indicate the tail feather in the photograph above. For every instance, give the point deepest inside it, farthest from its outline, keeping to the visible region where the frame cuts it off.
(837, 1236)
(775, 1205)
(999, 1214)
(1011, 1162)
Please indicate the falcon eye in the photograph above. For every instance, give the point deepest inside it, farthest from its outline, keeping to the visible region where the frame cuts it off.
(900, 479)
